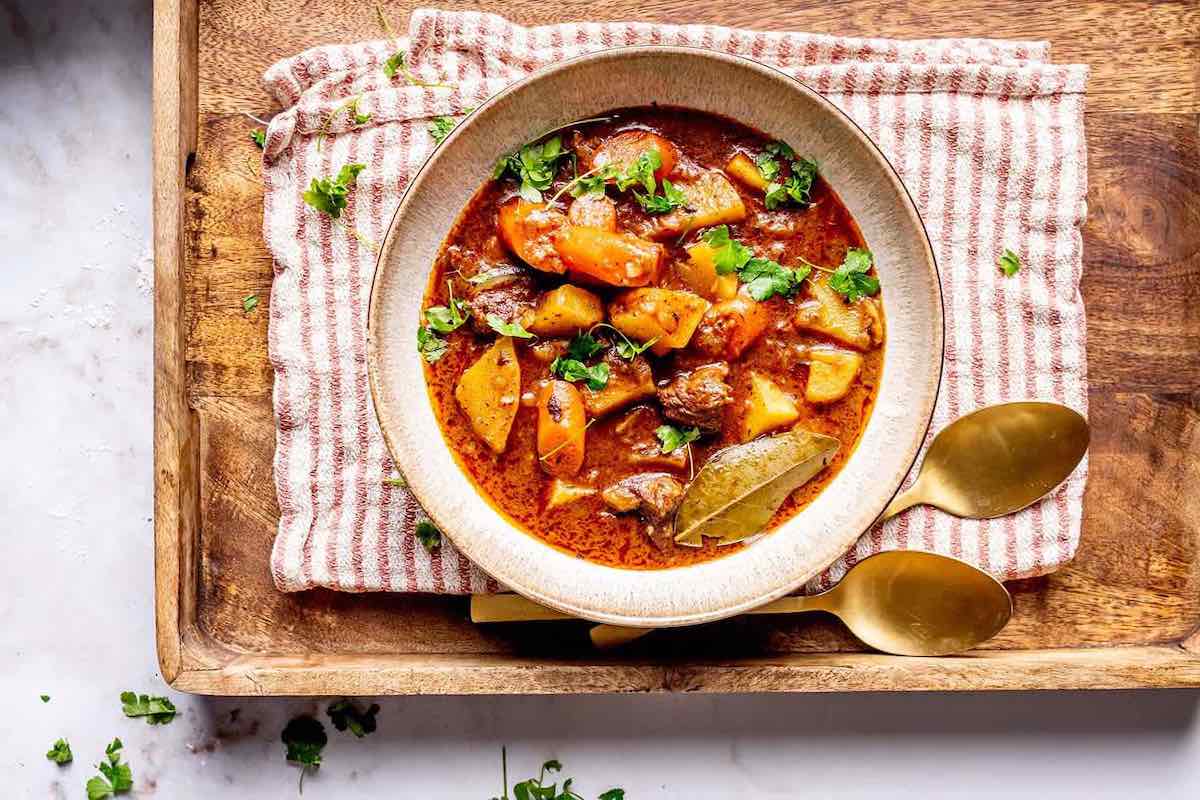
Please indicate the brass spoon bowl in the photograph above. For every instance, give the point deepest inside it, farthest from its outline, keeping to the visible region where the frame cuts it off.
(904, 602)
(992, 462)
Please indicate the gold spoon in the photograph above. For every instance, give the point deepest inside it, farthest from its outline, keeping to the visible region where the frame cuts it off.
(989, 463)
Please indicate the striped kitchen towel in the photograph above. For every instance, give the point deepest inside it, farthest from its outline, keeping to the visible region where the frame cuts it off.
(987, 135)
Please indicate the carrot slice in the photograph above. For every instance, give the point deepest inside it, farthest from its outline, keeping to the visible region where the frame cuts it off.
(618, 259)
(561, 429)
(528, 230)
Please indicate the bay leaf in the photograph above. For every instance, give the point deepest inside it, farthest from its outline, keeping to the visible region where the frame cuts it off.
(740, 488)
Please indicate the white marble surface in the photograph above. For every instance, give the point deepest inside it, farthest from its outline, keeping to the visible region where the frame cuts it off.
(76, 617)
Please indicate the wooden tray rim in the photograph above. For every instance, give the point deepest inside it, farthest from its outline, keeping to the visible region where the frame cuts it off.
(192, 662)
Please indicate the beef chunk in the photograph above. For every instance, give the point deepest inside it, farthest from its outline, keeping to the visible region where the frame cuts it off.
(510, 297)
(698, 397)
(654, 495)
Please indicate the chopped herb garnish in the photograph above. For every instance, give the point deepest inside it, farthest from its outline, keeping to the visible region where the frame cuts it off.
(117, 776)
(156, 710)
(626, 348)
(440, 127)
(534, 165)
(45, 698)
(765, 278)
(571, 369)
(673, 438)
(1010, 262)
(328, 195)
(431, 346)
(446, 319)
(670, 199)
(249, 303)
(613, 794)
(591, 182)
(259, 137)
(796, 186)
(641, 172)
(729, 255)
(305, 739)
(583, 346)
(428, 535)
(507, 328)
(851, 279)
(397, 481)
(60, 752)
(538, 789)
(346, 715)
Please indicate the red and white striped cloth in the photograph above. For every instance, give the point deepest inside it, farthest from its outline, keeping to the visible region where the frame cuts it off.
(987, 135)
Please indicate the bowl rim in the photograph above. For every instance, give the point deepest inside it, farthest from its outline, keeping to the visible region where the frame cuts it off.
(372, 332)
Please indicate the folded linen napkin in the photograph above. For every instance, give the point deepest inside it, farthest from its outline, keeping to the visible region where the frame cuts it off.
(987, 136)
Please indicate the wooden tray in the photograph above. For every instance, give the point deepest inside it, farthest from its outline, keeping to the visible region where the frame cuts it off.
(1124, 614)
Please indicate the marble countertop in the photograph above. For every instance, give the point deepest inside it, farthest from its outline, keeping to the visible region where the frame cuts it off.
(76, 612)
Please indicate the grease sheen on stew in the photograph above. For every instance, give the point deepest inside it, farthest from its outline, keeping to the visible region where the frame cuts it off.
(735, 355)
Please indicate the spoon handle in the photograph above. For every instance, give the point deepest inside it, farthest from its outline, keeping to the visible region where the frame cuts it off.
(913, 496)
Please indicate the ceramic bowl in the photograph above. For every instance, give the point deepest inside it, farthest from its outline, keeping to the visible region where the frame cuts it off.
(764, 99)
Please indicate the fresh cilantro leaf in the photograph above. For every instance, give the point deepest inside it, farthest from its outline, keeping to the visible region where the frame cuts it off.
(781, 149)
(641, 172)
(445, 319)
(328, 195)
(729, 255)
(535, 166)
(628, 350)
(670, 199)
(768, 167)
(673, 438)
(397, 65)
(249, 303)
(431, 346)
(304, 738)
(593, 181)
(428, 535)
(851, 279)
(570, 369)
(765, 278)
(583, 346)
(613, 794)
(1010, 263)
(553, 765)
(156, 710)
(117, 776)
(795, 187)
(346, 715)
(259, 137)
(397, 481)
(361, 119)
(440, 128)
(393, 64)
(45, 698)
(60, 753)
(507, 328)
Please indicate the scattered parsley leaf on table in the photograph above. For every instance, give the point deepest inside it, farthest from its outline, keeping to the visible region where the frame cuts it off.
(428, 535)
(508, 328)
(1010, 263)
(304, 738)
(328, 195)
(346, 715)
(156, 710)
(259, 137)
(249, 303)
(60, 753)
(45, 698)
(117, 776)
(673, 438)
(851, 279)
(613, 794)
(440, 127)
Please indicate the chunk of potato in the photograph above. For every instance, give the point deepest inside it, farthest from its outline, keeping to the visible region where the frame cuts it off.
(628, 382)
(489, 393)
(828, 314)
(731, 326)
(711, 200)
(745, 170)
(561, 492)
(561, 429)
(565, 310)
(618, 259)
(624, 149)
(593, 210)
(767, 407)
(699, 272)
(668, 315)
(831, 374)
(528, 230)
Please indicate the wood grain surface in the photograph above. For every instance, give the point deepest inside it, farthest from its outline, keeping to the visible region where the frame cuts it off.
(1135, 582)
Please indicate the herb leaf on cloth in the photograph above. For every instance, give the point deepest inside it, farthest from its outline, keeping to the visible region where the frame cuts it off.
(1010, 263)
(429, 535)
(328, 195)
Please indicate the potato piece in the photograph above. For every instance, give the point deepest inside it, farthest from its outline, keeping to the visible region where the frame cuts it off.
(593, 210)
(831, 374)
(745, 170)
(730, 327)
(565, 310)
(668, 315)
(561, 493)
(528, 230)
(624, 149)
(488, 393)
(711, 200)
(628, 382)
(700, 274)
(827, 313)
(561, 429)
(767, 407)
(618, 259)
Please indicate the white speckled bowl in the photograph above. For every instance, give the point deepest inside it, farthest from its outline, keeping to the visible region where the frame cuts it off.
(764, 99)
